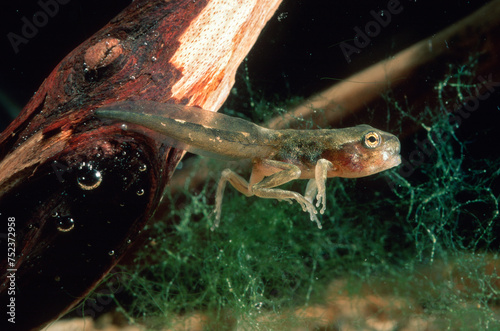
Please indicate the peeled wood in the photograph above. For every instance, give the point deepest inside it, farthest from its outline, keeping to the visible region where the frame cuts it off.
(181, 51)
(174, 51)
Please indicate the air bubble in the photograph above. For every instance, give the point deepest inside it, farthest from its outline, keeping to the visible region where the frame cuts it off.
(88, 178)
(111, 253)
(124, 127)
(282, 16)
(65, 224)
(140, 192)
(143, 167)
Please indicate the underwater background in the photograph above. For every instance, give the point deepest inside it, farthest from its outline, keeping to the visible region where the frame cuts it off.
(413, 248)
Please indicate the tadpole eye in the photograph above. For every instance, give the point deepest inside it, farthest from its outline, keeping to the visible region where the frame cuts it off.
(372, 139)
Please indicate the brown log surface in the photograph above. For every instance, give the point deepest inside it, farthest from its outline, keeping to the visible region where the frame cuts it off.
(166, 51)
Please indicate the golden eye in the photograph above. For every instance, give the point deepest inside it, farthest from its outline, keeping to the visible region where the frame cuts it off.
(372, 139)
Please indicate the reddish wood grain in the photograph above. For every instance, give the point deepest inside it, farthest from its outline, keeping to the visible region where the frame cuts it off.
(167, 51)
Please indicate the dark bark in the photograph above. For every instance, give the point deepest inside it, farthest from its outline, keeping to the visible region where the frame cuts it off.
(81, 190)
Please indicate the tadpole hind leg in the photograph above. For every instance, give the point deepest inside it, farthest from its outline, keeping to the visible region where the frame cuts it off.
(285, 172)
(238, 182)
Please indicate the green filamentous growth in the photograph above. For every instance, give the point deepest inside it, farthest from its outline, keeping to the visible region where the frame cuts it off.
(425, 239)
